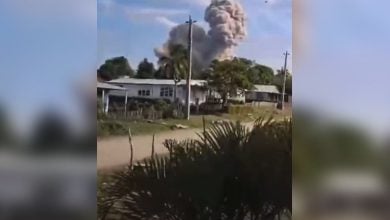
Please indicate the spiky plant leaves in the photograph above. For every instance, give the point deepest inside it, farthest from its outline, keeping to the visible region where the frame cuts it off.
(230, 173)
(270, 144)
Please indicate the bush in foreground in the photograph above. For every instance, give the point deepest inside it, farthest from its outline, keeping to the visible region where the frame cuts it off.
(230, 173)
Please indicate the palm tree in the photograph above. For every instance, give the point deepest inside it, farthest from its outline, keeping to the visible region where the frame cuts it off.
(174, 65)
(231, 172)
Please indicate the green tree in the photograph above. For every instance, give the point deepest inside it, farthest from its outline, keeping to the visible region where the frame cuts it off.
(262, 74)
(231, 172)
(257, 73)
(159, 74)
(229, 77)
(114, 68)
(145, 70)
(174, 65)
(278, 81)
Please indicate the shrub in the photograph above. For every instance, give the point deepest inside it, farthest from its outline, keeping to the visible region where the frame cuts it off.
(236, 102)
(106, 128)
(99, 112)
(230, 173)
(161, 105)
(241, 109)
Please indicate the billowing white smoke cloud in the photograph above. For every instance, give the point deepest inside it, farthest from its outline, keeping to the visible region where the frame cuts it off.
(226, 19)
(227, 26)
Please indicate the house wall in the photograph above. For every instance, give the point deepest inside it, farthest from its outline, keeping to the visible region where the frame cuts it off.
(132, 91)
(197, 93)
(261, 97)
(250, 96)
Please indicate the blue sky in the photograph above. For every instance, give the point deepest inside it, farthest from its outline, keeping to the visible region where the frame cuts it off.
(134, 28)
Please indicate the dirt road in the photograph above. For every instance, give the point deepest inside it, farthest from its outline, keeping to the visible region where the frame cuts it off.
(115, 151)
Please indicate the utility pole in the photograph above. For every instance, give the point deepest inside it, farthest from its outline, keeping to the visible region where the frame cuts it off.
(188, 95)
(284, 77)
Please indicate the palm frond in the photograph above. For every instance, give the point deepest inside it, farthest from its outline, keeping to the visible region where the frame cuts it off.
(225, 137)
(230, 172)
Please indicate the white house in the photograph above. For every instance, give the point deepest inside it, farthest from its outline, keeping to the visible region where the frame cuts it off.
(159, 89)
(104, 90)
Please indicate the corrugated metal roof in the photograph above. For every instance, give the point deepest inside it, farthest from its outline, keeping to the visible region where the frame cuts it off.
(154, 81)
(102, 85)
(266, 88)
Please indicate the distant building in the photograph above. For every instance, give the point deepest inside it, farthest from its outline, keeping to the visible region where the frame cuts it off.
(159, 89)
(125, 88)
(263, 93)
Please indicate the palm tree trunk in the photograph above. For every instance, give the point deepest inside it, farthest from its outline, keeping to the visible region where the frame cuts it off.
(175, 103)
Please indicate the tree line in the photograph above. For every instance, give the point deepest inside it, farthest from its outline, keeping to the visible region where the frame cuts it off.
(228, 76)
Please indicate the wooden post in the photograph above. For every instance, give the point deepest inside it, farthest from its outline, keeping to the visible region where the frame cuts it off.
(197, 105)
(188, 91)
(204, 125)
(131, 149)
(103, 102)
(126, 105)
(152, 156)
(284, 78)
(107, 103)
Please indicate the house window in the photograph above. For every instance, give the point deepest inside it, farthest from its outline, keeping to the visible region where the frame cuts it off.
(143, 92)
(166, 92)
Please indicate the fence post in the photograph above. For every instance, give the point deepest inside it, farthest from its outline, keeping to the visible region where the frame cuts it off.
(204, 125)
(126, 105)
(153, 147)
(131, 149)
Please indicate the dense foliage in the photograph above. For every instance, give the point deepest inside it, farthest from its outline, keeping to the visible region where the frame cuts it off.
(114, 68)
(230, 173)
(257, 73)
(229, 78)
(174, 65)
(145, 70)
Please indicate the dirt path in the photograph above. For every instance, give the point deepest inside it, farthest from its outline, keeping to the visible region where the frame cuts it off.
(115, 151)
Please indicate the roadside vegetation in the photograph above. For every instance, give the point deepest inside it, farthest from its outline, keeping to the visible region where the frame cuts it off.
(108, 127)
(231, 172)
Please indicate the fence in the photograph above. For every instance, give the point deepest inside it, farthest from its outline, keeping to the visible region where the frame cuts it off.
(141, 114)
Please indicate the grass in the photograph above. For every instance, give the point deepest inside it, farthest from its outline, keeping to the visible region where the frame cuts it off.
(119, 128)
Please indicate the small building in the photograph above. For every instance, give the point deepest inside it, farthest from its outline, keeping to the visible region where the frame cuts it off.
(159, 89)
(263, 93)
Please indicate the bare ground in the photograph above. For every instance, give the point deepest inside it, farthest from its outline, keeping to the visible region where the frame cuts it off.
(115, 151)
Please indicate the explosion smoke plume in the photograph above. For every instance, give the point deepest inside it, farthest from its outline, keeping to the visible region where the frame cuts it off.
(226, 19)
